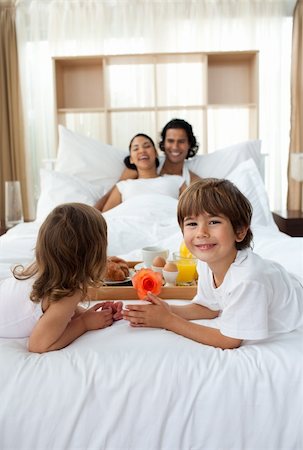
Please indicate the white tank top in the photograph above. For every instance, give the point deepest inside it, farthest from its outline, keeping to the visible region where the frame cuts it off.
(18, 314)
(164, 185)
(185, 171)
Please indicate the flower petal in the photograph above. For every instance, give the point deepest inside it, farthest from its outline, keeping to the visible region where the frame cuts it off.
(146, 280)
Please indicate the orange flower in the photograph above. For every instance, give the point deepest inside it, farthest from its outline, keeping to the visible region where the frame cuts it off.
(146, 280)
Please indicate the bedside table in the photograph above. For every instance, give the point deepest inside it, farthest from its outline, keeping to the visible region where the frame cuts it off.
(289, 222)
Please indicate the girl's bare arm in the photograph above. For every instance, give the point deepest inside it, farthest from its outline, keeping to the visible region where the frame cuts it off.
(56, 329)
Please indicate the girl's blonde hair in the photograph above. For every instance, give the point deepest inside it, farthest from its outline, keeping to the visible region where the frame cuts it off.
(217, 197)
(70, 253)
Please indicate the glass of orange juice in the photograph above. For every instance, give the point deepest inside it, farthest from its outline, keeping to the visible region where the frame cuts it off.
(186, 269)
(184, 252)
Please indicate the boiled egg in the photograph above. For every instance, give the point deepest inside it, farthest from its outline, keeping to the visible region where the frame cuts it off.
(170, 267)
(159, 261)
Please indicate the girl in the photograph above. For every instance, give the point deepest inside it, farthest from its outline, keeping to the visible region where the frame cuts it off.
(41, 301)
(143, 156)
(254, 298)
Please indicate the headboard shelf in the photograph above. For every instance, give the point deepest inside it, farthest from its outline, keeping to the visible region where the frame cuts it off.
(144, 91)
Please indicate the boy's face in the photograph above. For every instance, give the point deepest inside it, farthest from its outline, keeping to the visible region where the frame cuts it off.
(212, 239)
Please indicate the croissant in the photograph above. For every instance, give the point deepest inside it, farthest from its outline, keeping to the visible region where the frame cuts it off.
(116, 269)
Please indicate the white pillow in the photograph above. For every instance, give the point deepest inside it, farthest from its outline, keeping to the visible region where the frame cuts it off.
(102, 164)
(248, 179)
(57, 188)
(89, 159)
(221, 162)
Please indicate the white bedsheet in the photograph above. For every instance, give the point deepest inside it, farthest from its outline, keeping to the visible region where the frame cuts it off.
(148, 389)
(126, 388)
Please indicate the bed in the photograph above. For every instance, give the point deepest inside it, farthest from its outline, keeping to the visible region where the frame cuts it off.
(125, 388)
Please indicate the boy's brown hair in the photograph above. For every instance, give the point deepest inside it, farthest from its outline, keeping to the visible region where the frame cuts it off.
(217, 197)
(70, 253)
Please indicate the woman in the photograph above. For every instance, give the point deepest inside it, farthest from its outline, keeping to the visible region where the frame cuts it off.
(143, 156)
(179, 143)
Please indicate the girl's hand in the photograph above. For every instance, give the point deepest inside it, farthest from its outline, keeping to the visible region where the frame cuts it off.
(116, 308)
(155, 315)
(94, 319)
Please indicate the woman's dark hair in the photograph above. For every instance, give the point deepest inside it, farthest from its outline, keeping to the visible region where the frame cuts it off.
(217, 197)
(181, 124)
(127, 162)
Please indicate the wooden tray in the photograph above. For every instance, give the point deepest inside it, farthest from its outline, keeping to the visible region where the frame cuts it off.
(129, 293)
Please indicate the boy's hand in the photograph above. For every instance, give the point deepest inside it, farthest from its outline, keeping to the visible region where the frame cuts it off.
(116, 308)
(94, 319)
(155, 315)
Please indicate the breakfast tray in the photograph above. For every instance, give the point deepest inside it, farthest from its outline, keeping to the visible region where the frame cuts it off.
(129, 293)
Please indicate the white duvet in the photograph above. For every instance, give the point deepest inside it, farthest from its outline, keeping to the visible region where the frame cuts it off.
(142, 221)
(150, 220)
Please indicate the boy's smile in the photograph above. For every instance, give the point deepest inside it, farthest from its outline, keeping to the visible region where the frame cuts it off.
(205, 246)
